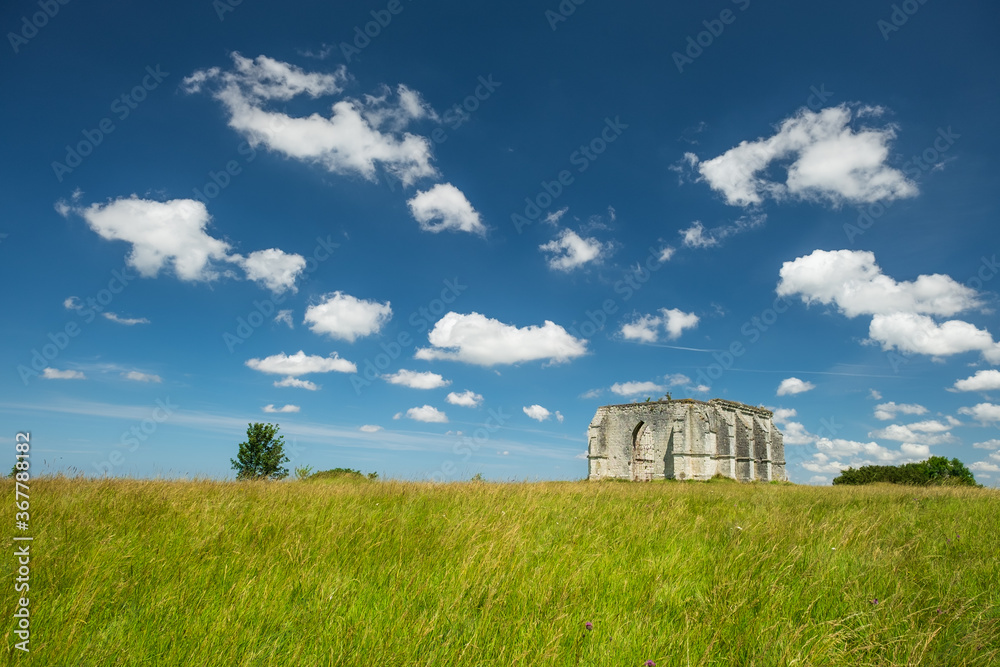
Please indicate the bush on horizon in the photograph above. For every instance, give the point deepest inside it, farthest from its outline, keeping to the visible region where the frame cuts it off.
(935, 471)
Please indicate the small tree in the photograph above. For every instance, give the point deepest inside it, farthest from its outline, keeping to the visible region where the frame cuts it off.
(262, 455)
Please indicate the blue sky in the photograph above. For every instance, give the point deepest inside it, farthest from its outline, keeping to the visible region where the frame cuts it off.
(430, 239)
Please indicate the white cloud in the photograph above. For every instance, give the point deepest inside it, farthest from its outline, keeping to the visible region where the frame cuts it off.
(358, 136)
(646, 328)
(73, 303)
(266, 78)
(697, 236)
(570, 251)
(984, 466)
(446, 204)
(988, 444)
(417, 380)
(554, 217)
(428, 414)
(346, 317)
(887, 411)
(795, 433)
(629, 389)
(127, 321)
(676, 321)
(901, 311)
(852, 281)
(819, 479)
(677, 379)
(298, 384)
(477, 339)
(826, 159)
(914, 451)
(919, 334)
(782, 415)
(285, 408)
(982, 412)
(537, 412)
(791, 386)
(136, 376)
(286, 317)
(874, 395)
(467, 399)
(667, 253)
(301, 364)
(162, 234)
(914, 433)
(173, 235)
(381, 112)
(370, 428)
(275, 269)
(559, 417)
(55, 374)
(988, 380)
(929, 426)
(837, 455)
(701, 389)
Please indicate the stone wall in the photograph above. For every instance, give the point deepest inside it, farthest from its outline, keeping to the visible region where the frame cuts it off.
(685, 439)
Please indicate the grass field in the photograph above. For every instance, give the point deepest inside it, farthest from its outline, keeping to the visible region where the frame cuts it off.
(129, 572)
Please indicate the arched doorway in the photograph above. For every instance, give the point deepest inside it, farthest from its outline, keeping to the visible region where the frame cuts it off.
(643, 453)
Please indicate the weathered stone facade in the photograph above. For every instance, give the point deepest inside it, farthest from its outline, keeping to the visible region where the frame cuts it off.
(685, 439)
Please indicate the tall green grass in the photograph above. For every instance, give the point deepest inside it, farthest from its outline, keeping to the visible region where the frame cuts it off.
(130, 572)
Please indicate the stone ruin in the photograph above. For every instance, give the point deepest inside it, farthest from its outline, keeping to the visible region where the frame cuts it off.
(685, 439)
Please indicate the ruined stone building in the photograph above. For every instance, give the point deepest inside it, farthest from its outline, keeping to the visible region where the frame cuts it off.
(685, 439)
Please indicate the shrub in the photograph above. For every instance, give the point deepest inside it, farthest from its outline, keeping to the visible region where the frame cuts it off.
(345, 474)
(935, 471)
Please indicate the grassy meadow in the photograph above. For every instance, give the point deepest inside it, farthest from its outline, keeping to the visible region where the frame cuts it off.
(135, 572)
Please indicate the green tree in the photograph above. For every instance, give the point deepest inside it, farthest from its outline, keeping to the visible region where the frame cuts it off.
(262, 455)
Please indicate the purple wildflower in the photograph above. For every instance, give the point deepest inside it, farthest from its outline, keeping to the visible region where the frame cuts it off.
(875, 601)
(650, 663)
(589, 625)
